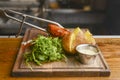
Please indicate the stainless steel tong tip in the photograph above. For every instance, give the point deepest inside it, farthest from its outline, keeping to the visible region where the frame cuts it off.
(6, 11)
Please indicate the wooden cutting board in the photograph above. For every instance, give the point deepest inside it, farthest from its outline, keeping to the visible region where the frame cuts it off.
(71, 67)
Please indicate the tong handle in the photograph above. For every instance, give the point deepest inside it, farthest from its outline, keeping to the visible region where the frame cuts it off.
(27, 23)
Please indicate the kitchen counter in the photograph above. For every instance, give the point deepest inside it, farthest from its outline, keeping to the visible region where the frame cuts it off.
(110, 47)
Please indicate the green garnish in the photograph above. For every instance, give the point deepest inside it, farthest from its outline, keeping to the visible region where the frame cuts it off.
(45, 49)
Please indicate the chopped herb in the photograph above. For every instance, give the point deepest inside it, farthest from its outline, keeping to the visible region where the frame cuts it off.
(45, 49)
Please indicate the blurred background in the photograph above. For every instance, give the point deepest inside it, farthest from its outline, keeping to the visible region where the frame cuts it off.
(101, 17)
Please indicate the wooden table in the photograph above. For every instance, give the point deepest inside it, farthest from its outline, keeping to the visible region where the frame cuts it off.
(9, 47)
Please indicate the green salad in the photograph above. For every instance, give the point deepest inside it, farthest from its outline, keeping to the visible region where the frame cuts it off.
(45, 49)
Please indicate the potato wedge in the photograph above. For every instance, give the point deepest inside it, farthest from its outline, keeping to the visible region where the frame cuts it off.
(76, 37)
(71, 40)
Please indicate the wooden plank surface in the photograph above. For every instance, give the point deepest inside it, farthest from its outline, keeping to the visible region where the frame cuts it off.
(69, 68)
(9, 48)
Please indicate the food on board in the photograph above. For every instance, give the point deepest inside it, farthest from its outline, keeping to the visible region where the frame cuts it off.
(57, 31)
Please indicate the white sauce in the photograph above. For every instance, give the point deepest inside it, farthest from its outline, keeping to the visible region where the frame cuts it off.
(88, 51)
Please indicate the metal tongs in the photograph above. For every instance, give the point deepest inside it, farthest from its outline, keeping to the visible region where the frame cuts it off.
(6, 11)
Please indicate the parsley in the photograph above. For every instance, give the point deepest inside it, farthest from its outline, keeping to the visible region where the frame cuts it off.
(45, 49)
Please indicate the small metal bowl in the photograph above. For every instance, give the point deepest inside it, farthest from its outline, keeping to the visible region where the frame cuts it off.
(86, 53)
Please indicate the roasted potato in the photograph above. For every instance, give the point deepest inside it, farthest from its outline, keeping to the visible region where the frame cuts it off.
(76, 37)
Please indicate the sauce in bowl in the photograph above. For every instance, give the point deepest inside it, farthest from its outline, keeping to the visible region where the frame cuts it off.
(87, 53)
